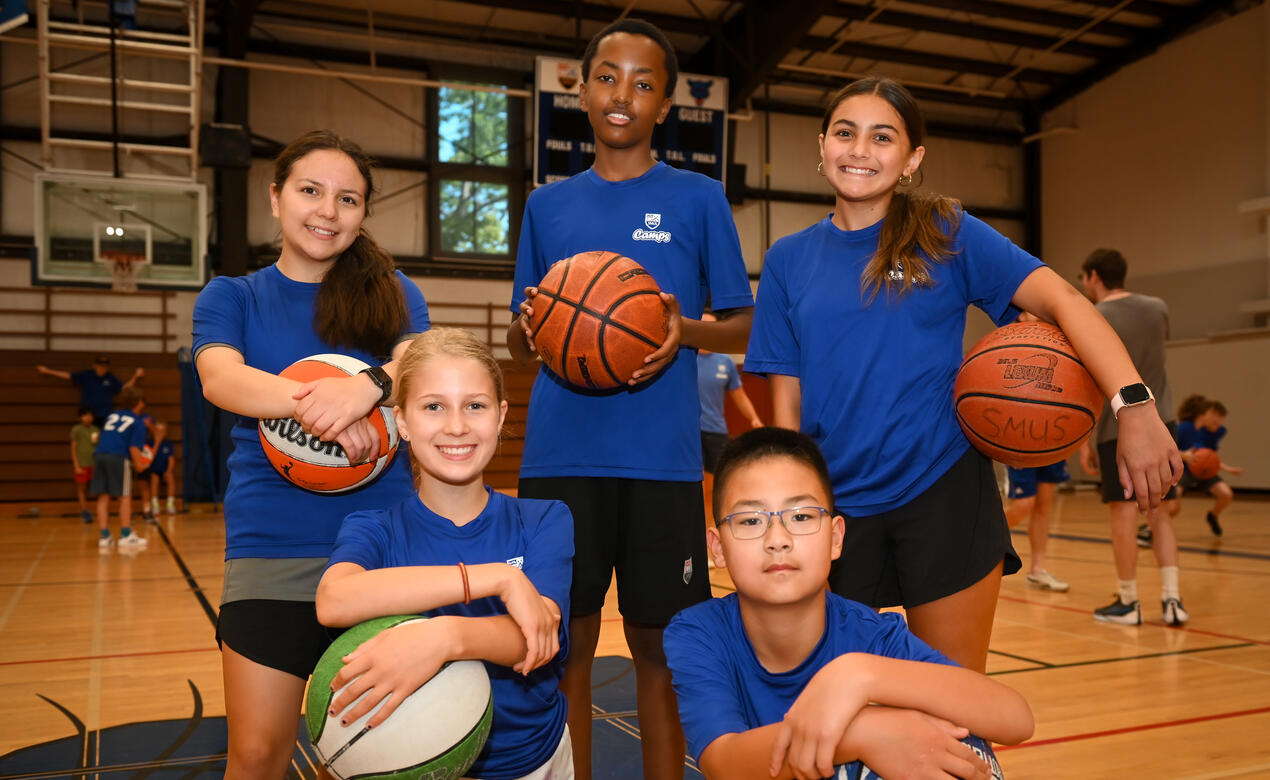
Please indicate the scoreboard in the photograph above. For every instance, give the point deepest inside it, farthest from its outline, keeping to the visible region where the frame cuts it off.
(692, 137)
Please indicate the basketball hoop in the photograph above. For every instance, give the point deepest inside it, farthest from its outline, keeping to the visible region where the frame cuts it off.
(124, 268)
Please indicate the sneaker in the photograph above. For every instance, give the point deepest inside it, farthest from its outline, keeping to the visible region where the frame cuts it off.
(149, 518)
(1046, 581)
(87, 516)
(1119, 612)
(1145, 537)
(132, 540)
(171, 508)
(1213, 524)
(1174, 613)
(105, 542)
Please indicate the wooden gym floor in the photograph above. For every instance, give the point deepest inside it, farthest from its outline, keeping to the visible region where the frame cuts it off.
(108, 662)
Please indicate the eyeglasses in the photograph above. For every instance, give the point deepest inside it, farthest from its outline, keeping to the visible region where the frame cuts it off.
(799, 521)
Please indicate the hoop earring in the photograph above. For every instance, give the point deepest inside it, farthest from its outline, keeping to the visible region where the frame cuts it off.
(820, 167)
(906, 179)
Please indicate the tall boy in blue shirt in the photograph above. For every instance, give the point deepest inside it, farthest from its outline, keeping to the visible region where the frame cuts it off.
(777, 679)
(628, 463)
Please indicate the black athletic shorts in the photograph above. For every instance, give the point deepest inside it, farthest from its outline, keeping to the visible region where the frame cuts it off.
(1190, 482)
(283, 635)
(1110, 472)
(711, 448)
(651, 532)
(940, 543)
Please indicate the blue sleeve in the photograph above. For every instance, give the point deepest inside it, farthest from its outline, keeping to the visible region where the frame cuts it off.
(892, 639)
(709, 706)
(362, 540)
(1186, 438)
(773, 347)
(137, 433)
(529, 265)
(416, 307)
(219, 314)
(81, 378)
(992, 268)
(724, 263)
(115, 385)
(549, 555)
(734, 376)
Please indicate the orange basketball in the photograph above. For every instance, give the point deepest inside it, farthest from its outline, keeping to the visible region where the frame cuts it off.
(322, 466)
(596, 317)
(1024, 398)
(1205, 463)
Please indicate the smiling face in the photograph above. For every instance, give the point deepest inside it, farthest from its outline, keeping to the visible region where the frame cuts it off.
(451, 416)
(866, 149)
(625, 94)
(779, 567)
(320, 206)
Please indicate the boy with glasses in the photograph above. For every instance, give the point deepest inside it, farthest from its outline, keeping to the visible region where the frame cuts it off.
(777, 679)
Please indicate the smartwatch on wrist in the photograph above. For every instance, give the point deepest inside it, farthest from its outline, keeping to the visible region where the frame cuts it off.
(1130, 395)
(384, 382)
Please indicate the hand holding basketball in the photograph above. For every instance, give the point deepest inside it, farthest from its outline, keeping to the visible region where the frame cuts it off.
(654, 363)
(526, 315)
(909, 743)
(390, 665)
(1203, 463)
(330, 406)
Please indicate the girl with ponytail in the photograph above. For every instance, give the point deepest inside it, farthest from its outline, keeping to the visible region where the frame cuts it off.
(333, 289)
(859, 325)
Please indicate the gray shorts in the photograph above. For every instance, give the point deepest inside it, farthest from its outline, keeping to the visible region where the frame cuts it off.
(112, 475)
(1110, 472)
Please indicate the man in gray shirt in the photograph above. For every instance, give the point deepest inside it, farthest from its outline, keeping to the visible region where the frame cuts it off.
(1142, 322)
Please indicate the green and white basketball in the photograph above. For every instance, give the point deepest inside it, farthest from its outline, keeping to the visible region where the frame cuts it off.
(436, 733)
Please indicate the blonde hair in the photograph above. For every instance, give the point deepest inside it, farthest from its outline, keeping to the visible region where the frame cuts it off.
(454, 342)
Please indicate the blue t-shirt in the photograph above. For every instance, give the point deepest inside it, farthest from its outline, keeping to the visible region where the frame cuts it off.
(536, 537)
(724, 689)
(162, 457)
(97, 392)
(1189, 436)
(678, 226)
(268, 318)
(122, 431)
(716, 376)
(877, 378)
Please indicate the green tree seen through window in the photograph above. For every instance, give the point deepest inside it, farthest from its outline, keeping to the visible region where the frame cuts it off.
(474, 217)
(472, 126)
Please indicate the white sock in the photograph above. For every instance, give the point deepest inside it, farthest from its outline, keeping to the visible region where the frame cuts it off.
(1128, 591)
(1168, 578)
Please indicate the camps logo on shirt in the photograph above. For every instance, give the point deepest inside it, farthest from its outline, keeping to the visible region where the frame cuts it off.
(518, 562)
(651, 222)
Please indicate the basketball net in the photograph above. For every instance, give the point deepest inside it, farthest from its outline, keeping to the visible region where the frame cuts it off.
(124, 268)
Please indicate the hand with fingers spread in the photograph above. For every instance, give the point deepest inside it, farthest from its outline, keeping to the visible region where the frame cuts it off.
(661, 357)
(388, 667)
(815, 724)
(908, 743)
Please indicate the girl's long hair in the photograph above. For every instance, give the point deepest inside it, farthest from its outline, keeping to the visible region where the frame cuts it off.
(359, 304)
(919, 226)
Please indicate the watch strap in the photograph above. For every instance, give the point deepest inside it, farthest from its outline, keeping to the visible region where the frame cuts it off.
(1118, 402)
(381, 379)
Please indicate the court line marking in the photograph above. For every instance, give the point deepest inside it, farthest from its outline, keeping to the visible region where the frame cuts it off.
(1210, 551)
(1143, 656)
(597, 713)
(195, 588)
(1132, 729)
(72, 659)
(1237, 772)
(1065, 608)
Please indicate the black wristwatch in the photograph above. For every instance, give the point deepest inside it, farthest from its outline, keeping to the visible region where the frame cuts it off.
(1130, 395)
(381, 379)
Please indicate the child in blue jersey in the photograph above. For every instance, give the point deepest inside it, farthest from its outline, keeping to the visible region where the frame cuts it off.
(776, 679)
(1201, 423)
(118, 452)
(491, 571)
(859, 326)
(1031, 494)
(628, 463)
(331, 290)
(161, 468)
(98, 386)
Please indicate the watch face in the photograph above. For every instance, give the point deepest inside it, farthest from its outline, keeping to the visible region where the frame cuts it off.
(1134, 394)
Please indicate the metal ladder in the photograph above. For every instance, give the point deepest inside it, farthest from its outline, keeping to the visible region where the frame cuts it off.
(64, 82)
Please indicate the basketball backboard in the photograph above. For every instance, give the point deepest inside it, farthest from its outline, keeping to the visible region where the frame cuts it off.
(80, 220)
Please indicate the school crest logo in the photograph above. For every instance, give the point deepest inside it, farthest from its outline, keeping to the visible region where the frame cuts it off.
(650, 232)
(518, 562)
(700, 89)
(687, 571)
(652, 221)
(566, 74)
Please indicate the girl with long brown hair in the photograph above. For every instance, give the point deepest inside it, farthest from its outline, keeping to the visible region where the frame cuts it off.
(333, 289)
(859, 326)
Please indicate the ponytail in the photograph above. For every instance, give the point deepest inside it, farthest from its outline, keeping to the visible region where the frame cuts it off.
(917, 232)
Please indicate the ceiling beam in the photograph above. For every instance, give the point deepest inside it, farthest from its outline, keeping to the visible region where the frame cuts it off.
(924, 94)
(1038, 16)
(972, 30)
(1186, 18)
(928, 60)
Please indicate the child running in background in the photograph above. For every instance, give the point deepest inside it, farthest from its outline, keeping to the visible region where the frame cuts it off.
(1031, 495)
(777, 679)
(84, 437)
(161, 468)
(118, 453)
(1202, 423)
(492, 572)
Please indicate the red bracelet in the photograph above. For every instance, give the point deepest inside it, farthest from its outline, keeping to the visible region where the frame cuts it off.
(467, 589)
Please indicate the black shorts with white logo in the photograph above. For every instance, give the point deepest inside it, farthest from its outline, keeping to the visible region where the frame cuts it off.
(943, 541)
(652, 533)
